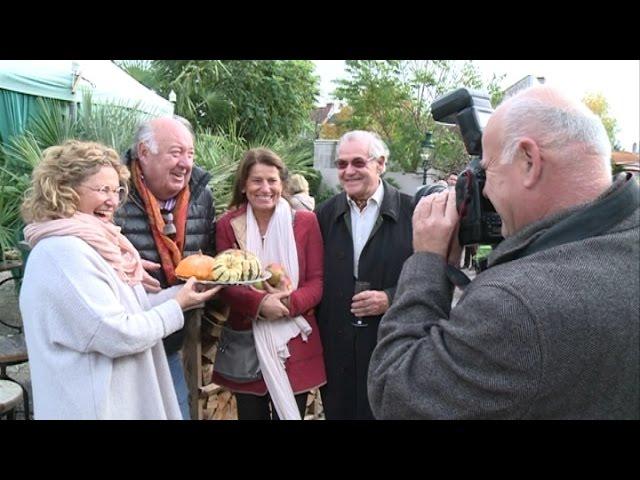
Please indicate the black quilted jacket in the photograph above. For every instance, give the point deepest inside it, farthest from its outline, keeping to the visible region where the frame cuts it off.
(200, 234)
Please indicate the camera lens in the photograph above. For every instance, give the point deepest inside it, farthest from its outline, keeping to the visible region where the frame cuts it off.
(427, 190)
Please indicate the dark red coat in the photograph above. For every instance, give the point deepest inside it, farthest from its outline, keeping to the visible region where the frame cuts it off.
(305, 366)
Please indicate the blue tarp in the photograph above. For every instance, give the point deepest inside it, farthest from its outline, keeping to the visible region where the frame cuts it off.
(104, 79)
(49, 79)
(22, 81)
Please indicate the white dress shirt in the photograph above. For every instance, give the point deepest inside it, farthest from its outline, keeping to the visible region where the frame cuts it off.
(362, 223)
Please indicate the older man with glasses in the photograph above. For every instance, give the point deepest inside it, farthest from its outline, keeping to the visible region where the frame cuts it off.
(367, 236)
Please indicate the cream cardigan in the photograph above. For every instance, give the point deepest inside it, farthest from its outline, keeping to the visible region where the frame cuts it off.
(94, 342)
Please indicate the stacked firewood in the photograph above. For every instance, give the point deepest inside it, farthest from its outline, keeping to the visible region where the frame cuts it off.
(314, 406)
(218, 403)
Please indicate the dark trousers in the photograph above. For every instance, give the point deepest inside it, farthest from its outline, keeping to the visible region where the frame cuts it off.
(254, 407)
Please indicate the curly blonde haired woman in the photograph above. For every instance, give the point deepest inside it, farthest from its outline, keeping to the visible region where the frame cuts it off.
(93, 334)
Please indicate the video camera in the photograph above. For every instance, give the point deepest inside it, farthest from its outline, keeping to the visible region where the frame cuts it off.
(469, 110)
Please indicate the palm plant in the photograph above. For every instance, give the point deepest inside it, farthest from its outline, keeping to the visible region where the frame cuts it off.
(10, 200)
(145, 72)
(110, 124)
(297, 154)
(220, 154)
(113, 124)
(17, 159)
(52, 125)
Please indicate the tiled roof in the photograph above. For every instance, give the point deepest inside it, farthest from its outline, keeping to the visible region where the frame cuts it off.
(320, 114)
(629, 161)
(625, 158)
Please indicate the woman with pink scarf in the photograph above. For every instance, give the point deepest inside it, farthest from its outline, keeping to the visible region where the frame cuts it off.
(93, 333)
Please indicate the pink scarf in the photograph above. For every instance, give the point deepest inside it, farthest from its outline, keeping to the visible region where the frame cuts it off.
(105, 238)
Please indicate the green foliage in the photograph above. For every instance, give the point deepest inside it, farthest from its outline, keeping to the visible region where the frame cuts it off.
(257, 97)
(392, 98)
(53, 124)
(616, 169)
(10, 200)
(315, 183)
(298, 156)
(392, 181)
(599, 105)
(319, 190)
(112, 125)
(145, 72)
(270, 97)
(339, 125)
(323, 193)
(220, 154)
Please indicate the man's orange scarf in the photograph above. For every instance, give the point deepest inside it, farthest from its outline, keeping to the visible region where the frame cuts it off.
(170, 251)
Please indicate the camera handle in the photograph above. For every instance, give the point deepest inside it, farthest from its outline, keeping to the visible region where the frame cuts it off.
(457, 277)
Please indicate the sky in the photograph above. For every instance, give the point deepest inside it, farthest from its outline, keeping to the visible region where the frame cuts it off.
(617, 80)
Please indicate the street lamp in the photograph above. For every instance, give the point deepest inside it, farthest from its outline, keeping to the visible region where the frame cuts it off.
(426, 151)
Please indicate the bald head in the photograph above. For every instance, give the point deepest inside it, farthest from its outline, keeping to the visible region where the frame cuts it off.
(164, 123)
(559, 125)
(547, 94)
(149, 131)
(543, 152)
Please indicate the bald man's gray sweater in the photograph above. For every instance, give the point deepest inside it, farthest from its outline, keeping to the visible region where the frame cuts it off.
(549, 335)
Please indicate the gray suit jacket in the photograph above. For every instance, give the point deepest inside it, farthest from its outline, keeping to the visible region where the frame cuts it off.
(549, 335)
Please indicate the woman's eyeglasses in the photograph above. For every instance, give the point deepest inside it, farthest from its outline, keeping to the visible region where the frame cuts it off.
(355, 163)
(107, 191)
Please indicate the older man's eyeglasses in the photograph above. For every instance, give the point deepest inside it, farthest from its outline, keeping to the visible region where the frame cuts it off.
(355, 163)
(107, 191)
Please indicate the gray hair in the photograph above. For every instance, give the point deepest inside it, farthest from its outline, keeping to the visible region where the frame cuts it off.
(145, 134)
(554, 127)
(377, 148)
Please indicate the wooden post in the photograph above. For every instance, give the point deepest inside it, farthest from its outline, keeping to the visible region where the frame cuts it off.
(191, 352)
